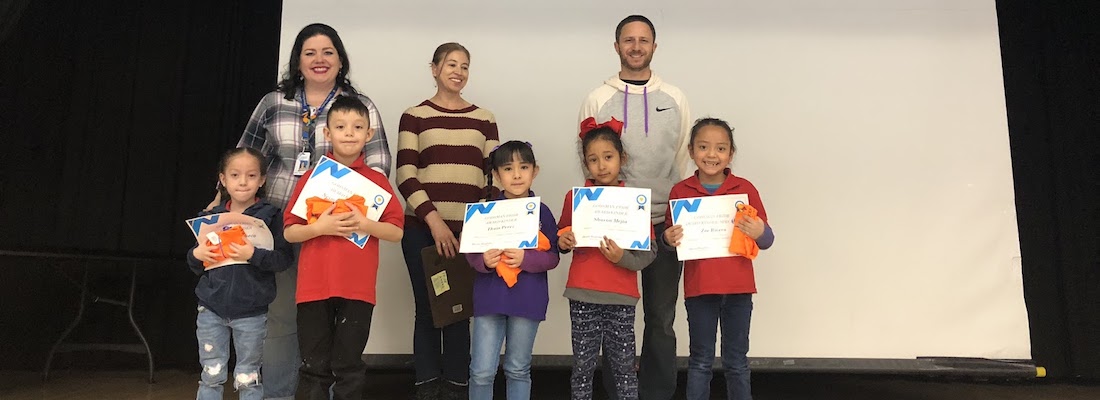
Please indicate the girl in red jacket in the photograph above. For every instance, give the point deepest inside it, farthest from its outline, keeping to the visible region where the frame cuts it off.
(603, 282)
(718, 290)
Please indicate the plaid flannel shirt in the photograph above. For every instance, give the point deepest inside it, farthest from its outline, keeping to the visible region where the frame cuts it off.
(275, 129)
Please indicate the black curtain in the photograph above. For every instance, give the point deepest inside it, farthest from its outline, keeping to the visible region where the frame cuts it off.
(1050, 52)
(119, 113)
(115, 115)
(10, 13)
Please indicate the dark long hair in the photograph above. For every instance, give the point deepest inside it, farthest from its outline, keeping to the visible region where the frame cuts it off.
(708, 121)
(293, 80)
(224, 162)
(504, 154)
(601, 133)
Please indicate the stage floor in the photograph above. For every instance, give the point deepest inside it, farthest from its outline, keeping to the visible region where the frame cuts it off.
(554, 385)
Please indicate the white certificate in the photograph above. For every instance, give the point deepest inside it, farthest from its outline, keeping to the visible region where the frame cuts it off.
(501, 224)
(620, 213)
(708, 225)
(333, 181)
(255, 230)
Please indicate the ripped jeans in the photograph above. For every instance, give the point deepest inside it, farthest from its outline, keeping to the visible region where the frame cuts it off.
(213, 333)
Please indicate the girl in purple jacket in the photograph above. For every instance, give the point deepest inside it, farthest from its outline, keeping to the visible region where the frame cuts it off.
(508, 307)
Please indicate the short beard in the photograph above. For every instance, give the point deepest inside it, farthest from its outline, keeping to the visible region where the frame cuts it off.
(626, 65)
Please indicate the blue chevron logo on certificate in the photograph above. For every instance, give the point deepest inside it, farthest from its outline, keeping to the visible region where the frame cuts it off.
(255, 230)
(333, 181)
(620, 213)
(707, 223)
(501, 224)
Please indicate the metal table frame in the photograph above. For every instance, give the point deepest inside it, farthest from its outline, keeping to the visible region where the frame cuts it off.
(85, 297)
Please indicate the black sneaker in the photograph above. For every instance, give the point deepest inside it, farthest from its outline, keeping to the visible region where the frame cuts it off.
(428, 391)
(454, 391)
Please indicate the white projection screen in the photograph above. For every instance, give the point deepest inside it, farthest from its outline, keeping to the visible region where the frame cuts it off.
(874, 130)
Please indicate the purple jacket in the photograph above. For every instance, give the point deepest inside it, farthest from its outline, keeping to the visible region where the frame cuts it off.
(529, 297)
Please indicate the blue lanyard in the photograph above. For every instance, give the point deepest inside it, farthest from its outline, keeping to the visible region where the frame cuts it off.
(309, 118)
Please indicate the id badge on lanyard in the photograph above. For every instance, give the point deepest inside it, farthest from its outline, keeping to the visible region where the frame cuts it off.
(302, 161)
(301, 164)
(309, 117)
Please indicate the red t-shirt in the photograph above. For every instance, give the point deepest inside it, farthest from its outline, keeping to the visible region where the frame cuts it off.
(332, 266)
(589, 269)
(726, 275)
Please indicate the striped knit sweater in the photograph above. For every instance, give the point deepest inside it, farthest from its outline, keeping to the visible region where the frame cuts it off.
(441, 159)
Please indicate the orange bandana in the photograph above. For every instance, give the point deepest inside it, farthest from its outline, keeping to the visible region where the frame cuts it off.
(315, 206)
(740, 243)
(234, 234)
(510, 273)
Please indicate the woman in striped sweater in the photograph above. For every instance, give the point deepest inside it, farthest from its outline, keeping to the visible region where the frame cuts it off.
(443, 146)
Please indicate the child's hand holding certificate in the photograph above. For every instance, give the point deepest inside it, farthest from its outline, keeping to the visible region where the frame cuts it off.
(707, 225)
(338, 184)
(501, 224)
(618, 213)
(215, 228)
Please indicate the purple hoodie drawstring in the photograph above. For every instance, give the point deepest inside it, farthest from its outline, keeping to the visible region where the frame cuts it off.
(626, 99)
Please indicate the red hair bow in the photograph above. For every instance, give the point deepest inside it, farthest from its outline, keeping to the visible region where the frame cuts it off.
(590, 123)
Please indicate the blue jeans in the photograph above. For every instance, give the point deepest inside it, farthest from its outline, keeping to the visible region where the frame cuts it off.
(281, 359)
(704, 313)
(490, 331)
(213, 333)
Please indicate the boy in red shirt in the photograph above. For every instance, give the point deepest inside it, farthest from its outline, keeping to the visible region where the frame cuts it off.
(337, 279)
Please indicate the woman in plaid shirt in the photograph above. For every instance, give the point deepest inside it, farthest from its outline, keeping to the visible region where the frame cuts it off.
(286, 127)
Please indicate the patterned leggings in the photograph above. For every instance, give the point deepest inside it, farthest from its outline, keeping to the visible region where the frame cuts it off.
(612, 328)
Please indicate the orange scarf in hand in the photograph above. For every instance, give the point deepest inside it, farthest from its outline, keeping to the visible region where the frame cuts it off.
(234, 234)
(315, 206)
(510, 273)
(741, 243)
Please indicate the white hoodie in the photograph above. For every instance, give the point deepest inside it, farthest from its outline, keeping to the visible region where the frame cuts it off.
(656, 131)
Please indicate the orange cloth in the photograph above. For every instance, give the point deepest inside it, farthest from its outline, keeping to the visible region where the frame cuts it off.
(510, 273)
(741, 243)
(234, 234)
(315, 206)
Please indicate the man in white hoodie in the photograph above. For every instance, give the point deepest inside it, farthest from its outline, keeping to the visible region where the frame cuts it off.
(656, 127)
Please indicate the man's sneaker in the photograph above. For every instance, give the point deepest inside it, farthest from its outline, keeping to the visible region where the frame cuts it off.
(454, 391)
(428, 391)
